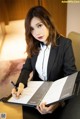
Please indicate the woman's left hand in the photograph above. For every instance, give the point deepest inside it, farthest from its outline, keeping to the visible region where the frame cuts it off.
(43, 109)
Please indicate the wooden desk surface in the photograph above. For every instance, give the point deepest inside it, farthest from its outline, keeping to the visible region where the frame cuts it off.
(12, 111)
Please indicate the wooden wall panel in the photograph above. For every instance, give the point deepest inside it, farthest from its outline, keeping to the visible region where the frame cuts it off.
(3, 12)
(17, 9)
(58, 11)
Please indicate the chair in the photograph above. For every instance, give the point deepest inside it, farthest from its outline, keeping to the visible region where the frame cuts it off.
(75, 37)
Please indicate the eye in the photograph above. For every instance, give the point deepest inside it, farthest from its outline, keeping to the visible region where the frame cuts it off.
(39, 25)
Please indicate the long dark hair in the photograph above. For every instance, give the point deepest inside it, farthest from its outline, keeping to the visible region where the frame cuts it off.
(33, 44)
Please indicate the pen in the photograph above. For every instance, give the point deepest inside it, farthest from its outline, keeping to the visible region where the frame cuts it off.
(14, 85)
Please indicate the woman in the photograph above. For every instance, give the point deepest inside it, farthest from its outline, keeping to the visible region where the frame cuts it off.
(50, 55)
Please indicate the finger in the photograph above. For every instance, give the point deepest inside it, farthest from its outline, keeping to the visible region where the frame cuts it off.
(38, 108)
(52, 108)
(43, 109)
(19, 92)
(43, 106)
(13, 91)
(18, 95)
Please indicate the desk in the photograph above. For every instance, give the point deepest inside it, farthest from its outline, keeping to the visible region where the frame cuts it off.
(15, 111)
(22, 112)
(11, 111)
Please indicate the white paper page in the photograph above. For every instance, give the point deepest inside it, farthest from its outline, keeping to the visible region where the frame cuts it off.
(27, 92)
(54, 92)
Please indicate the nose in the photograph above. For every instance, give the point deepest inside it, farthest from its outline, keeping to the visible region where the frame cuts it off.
(37, 32)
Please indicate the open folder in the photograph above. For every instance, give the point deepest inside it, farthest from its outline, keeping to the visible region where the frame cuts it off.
(48, 91)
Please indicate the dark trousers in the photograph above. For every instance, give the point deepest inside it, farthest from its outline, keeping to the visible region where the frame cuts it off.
(32, 113)
(70, 111)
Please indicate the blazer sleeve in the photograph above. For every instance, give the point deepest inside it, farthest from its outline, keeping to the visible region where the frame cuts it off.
(25, 71)
(69, 59)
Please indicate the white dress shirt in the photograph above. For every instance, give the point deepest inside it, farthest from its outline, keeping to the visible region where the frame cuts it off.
(42, 61)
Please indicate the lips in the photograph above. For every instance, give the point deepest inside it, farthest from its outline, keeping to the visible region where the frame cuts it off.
(40, 37)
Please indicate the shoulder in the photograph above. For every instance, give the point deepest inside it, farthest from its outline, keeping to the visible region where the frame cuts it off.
(61, 40)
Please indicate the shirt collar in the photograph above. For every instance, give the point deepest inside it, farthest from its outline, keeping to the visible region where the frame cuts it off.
(45, 46)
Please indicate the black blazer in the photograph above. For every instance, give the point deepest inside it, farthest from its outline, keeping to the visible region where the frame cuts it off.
(61, 62)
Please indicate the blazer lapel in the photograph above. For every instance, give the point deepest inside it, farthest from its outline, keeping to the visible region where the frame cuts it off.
(51, 61)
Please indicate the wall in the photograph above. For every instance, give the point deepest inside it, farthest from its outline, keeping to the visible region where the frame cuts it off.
(73, 18)
(3, 12)
(58, 11)
(2, 33)
(17, 9)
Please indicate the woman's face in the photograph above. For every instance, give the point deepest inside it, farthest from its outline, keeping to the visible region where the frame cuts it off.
(38, 30)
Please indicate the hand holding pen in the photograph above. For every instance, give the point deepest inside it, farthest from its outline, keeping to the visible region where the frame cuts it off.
(17, 91)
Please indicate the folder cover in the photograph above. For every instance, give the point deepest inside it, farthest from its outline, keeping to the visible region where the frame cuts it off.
(48, 91)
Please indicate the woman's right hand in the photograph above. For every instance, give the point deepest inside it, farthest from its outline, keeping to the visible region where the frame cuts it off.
(18, 92)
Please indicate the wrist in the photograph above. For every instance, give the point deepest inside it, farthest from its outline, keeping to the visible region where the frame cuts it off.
(62, 104)
(21, 85)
